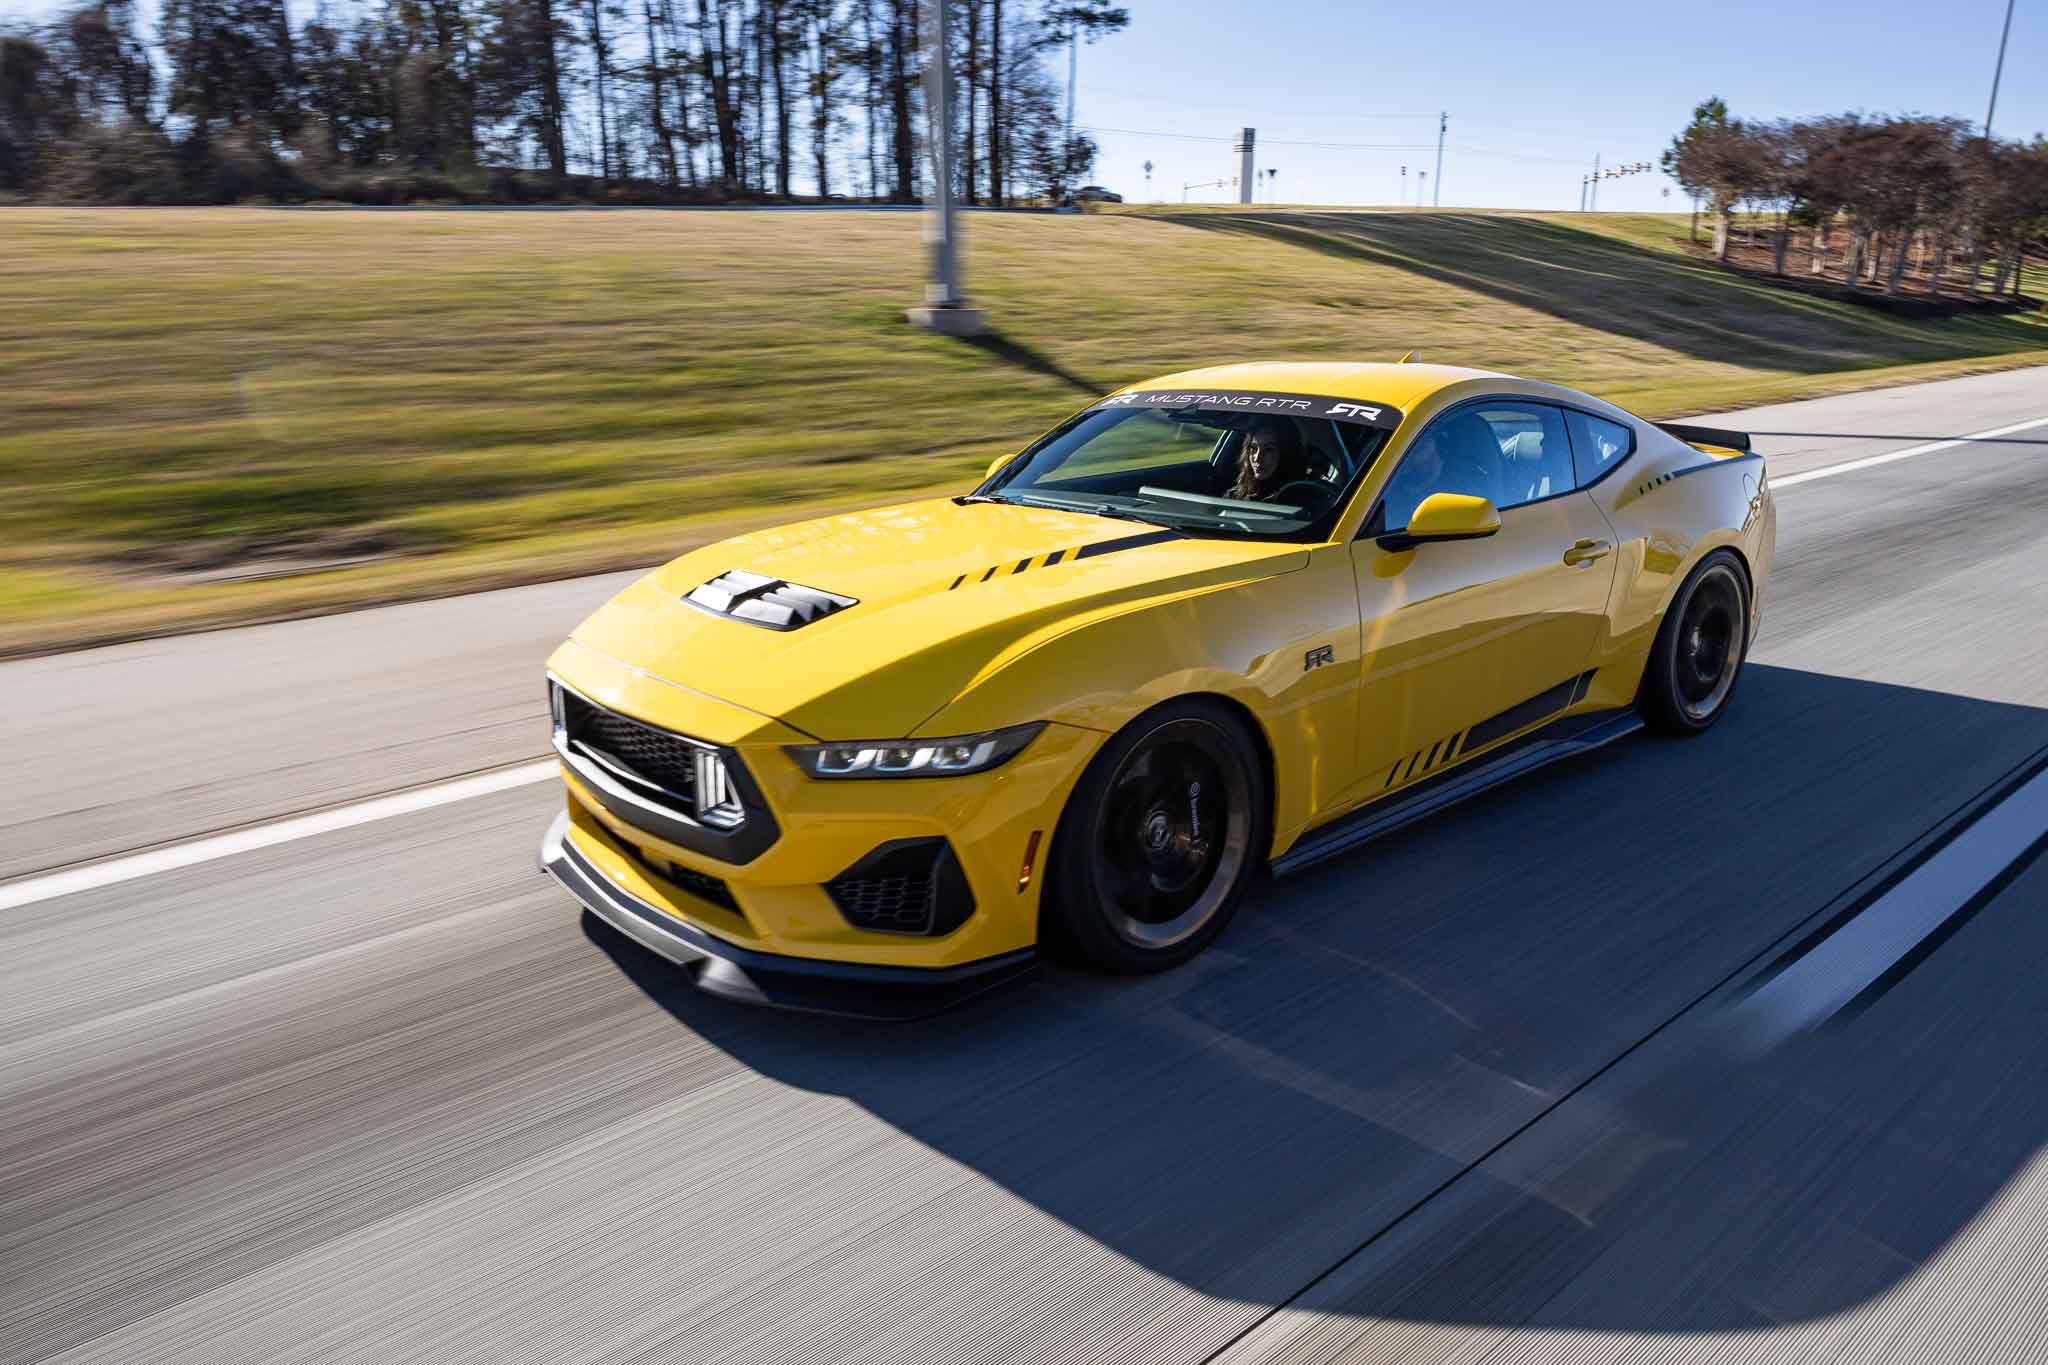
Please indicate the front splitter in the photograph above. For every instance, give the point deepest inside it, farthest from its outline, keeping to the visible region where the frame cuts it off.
(723, 969)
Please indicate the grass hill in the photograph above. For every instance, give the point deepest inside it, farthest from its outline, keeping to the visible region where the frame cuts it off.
(221, 414)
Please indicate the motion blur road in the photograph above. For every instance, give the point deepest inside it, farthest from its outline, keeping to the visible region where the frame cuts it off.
(1707, 1049)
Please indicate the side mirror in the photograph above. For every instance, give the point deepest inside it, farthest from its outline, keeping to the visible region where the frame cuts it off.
(1445, 516)
(996, 464)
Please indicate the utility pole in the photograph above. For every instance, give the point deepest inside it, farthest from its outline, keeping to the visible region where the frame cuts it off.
(1998, 70)
(1443, 121)
(1421, 185)
(1073, 73)
(1404, 186)
(944, 309)
(1148, 182)
(1596, 182)
(1246, 176)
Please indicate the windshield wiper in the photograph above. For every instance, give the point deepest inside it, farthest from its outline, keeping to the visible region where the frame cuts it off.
(1093, 509)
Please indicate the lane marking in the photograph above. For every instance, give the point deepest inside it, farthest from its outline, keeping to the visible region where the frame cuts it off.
(112, 872)
(1820, 984)
(1910, 452)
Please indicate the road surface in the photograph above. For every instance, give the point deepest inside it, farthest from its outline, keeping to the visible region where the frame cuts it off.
(1725, 1049)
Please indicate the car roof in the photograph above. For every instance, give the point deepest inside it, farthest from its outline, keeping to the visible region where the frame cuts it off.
(1401, 385)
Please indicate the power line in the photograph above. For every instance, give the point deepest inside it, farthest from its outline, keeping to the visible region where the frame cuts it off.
(1334, 146)
(1264, 141)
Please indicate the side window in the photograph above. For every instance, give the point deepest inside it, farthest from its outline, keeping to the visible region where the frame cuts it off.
(1598, 445)
(1507, 452)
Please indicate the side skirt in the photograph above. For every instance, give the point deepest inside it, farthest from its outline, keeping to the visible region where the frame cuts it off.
(1559, 739)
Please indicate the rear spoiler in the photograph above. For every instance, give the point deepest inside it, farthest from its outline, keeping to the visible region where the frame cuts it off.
(1706, 436)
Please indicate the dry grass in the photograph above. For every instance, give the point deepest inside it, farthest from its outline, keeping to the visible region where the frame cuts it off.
(480, 397)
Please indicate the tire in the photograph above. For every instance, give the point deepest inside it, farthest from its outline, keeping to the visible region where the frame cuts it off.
(1157, 844)
(1700, 649)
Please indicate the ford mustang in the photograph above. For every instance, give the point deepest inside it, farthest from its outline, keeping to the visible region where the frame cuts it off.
(1217, 625)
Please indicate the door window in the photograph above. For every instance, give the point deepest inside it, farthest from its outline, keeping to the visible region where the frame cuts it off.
(1506, 452)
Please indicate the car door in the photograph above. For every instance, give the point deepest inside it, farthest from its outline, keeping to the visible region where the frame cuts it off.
(1464, 642)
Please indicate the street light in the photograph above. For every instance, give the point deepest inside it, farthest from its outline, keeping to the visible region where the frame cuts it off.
(945, 309)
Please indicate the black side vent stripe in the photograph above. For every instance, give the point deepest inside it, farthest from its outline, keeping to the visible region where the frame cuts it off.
(1422, 761)
(1055, 557)
(1717, 462)
(1524, 714)
(991, 572)
(1022, 565)
(958, 581)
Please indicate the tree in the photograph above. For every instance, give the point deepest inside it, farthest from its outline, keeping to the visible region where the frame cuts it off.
(1720, 160)
(519, 75)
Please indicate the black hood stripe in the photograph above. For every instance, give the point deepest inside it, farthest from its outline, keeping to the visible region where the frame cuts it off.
(1110, 547)
(1100, 547)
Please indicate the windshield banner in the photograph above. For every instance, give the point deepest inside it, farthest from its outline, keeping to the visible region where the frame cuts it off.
(1251, 402)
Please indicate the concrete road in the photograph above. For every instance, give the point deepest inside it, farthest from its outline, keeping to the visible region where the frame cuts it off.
(1727, 1049)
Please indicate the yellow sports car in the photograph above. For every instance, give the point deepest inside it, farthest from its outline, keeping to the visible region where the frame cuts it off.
(1224, 622)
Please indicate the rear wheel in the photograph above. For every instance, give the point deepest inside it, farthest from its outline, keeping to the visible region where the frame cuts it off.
(1699, 649)
(1159, 840)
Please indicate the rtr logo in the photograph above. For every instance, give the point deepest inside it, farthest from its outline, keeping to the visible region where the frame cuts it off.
(1354, 410)
(1317, 657)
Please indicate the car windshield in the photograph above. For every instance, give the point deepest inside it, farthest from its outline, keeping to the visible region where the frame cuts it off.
(1262, 466)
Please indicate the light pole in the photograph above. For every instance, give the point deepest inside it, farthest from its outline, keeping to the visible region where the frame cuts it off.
(1998, 70)
(1443, 121)
(945, 308)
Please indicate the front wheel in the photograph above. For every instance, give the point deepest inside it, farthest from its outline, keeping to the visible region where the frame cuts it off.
(1159, 840)
(1699, 649)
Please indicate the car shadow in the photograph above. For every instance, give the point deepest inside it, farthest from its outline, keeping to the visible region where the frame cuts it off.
(1605, 283)
(1356, 1069)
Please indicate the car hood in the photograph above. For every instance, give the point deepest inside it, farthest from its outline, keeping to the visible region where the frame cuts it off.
(942, 593)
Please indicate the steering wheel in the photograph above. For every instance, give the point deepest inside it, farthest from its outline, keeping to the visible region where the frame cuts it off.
(1317, 490)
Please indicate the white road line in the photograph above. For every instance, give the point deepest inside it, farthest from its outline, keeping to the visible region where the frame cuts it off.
(92, 876)
(1910, 452)
(113, 871)
(1813, 988)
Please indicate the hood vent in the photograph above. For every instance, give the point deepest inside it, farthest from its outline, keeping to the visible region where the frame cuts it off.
(763, 601)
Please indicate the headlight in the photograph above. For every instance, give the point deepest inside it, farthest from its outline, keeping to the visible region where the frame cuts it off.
(915, 757)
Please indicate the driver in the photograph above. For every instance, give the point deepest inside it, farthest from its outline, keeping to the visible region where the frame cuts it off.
(1445, 459)
(1268, 458)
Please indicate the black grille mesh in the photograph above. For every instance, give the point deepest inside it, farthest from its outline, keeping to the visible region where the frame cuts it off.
(655, 756)
(702, 885)
(900, 905)
(908, 886)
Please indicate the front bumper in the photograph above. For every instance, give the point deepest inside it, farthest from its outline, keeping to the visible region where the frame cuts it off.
(867, 990)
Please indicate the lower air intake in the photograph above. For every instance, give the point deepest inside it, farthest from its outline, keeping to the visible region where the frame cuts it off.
(906, 886)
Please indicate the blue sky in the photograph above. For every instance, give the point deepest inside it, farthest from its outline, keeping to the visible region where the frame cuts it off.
(1534, 90)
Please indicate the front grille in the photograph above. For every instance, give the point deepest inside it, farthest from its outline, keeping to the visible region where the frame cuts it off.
(906, 886)
(683, 791)
(653, 757)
